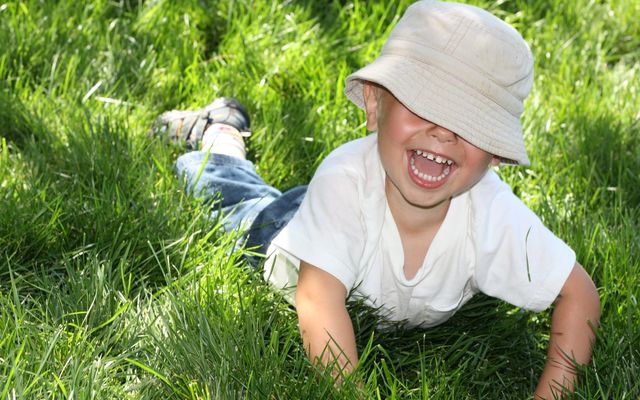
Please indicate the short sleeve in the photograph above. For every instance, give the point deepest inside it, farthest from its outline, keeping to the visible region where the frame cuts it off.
(518, 259)
(327, 230)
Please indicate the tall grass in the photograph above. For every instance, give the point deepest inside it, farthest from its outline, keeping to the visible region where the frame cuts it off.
(114, 283)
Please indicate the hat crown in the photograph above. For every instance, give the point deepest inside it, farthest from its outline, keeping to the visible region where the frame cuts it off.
(446, 34)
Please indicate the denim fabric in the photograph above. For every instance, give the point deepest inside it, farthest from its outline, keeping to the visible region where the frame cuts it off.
(234, 189)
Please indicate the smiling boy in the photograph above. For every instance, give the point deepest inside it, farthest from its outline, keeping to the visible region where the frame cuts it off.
(410, 218)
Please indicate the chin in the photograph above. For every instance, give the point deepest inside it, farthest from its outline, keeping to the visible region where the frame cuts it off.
(422, 201)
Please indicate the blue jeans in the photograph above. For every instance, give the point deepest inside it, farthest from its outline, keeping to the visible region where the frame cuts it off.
(239, 193)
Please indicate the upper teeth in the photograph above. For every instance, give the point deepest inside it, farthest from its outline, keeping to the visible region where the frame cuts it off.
(433, 157)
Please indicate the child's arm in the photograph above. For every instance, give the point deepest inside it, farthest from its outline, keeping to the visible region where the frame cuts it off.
(325, 326)
(576, 315)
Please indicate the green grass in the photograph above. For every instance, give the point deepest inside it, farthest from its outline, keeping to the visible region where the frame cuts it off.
(113, 282)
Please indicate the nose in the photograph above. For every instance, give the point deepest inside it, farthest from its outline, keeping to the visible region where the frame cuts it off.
(442, 134)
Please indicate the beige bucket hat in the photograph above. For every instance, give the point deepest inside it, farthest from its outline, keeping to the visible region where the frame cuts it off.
(460, 67)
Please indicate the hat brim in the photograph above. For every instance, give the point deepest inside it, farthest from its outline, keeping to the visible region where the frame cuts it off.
(437, 96)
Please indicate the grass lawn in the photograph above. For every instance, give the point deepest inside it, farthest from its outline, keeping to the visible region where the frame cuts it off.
(114, 284)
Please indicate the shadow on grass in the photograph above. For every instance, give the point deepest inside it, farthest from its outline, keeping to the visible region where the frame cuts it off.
(92, 189)
(487, 341)
(610, 150)
(19, 125)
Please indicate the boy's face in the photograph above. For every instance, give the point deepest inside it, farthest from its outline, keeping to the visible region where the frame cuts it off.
(425, 163)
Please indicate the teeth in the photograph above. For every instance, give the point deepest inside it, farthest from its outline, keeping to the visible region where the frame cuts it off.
(428, 177)
(433, 157)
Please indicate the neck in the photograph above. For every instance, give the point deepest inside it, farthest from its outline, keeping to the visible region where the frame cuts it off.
(411, 218)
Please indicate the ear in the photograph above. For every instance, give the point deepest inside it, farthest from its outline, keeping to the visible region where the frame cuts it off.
(371, 105)
(495, 161)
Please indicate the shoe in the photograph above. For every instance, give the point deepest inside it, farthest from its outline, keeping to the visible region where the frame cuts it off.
(189, 126)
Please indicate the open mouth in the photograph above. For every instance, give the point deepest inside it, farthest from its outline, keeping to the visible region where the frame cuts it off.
(429, 169)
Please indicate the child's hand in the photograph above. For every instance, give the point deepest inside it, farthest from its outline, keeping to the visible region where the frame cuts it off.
(574, 319)
(325, 326)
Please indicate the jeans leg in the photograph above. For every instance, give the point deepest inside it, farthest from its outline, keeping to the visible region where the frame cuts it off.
(272, 219)
(232, 183)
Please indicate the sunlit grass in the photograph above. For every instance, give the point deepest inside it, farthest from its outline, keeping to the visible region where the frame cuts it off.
(115, 284)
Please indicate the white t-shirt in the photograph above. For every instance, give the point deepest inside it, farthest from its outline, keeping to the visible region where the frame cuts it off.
(489, 242)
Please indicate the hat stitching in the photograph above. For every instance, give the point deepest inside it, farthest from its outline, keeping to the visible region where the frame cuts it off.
(505, 99)
(397, 88)
(508, 124)
(496, 35)
(444, 75)
(455, 38)
(478, 124)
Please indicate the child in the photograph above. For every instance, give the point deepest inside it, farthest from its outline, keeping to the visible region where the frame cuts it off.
(409, 218)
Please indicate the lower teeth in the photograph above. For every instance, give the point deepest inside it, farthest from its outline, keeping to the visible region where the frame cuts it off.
(430, 178)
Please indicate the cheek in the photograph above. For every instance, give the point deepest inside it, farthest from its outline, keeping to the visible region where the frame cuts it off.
(394, 132)
(401, 125)
(391, 152)
(391, 146)
(476, 156)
